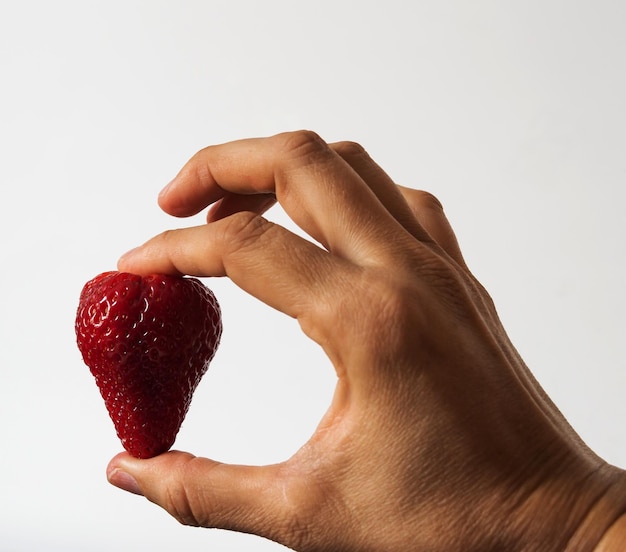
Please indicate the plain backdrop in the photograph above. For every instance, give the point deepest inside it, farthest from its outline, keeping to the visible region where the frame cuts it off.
(512, 113)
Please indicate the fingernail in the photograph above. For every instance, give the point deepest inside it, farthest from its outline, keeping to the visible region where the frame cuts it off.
(124, 481)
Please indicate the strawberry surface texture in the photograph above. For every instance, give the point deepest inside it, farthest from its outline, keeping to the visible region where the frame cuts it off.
(147, 340)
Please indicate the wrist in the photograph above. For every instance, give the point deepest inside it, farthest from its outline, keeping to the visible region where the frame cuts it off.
(614, 539)
(575, 512)
(609, 516)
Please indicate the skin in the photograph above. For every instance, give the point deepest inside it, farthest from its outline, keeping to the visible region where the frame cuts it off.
(437, 437)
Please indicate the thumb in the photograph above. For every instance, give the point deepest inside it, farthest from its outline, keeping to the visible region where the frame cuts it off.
(201, 492)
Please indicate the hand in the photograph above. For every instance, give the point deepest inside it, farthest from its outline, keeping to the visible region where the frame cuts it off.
(438, 437)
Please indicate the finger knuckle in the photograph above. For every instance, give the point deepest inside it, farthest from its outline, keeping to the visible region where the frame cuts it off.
(378, 306)
(386, 311)
(393, 304)
(168, 241)
(178, 504)
(302, 144)
(350, 150)
(246, 224)
(189, 503)
(168, 236)
(420, 200)
(244, 230)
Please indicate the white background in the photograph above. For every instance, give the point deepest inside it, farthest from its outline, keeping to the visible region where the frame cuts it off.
(512, 113)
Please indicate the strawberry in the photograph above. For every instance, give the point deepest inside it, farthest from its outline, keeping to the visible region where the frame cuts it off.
(147, 341)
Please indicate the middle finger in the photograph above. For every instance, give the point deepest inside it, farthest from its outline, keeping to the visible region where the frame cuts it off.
(318, 189)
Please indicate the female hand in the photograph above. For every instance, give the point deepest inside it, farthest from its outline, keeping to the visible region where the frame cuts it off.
(437, 437)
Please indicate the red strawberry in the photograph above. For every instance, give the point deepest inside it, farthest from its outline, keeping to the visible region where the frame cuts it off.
(147, 341)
